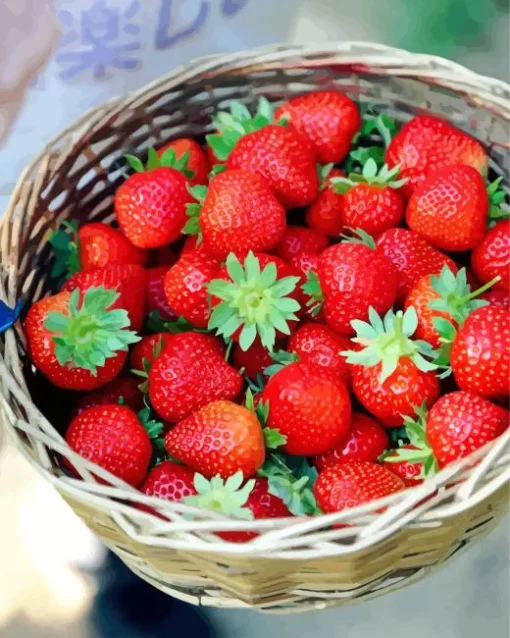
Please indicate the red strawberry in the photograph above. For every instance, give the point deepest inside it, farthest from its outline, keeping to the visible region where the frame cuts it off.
(371, 201)
(351, 277)
(480, 355)
(194, 244)
(112, 437)
(426, 144)
(155, 297)
(306, 264)
(151, 205)
(355, 483)
(122, 390)
(298, 239)
(366, 441)
(309, 407)
(317, 344)
(170, 482)
(129, 282)
(148, 350)
(461, 422)
(188, 374)
(78, 345)
(449, 208)
(185, 288)
(390, 375)
(491, 258)
(220, 438)
(412, 258)
(283, 157)
(410, 472)
(239, 213)
(197, 161)
(498, 298)
(329, 119)
(325, 213)
(254, 360)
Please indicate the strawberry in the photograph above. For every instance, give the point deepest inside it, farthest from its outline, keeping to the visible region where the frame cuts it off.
(170, 482)
(354, 483)
(128, 280)
(112, 437)
(79, 344)
(298, 239)
(491, 258)
(410, 472)
(411, 257)
(150, 205)
(309, 407)
(155, 297)
(146, 351)
(461, 422)
(392, 373)
(253, 299)
(283, 157)
(237, 212)
(480, 355)
(189, 374)
(449, 208)
(325, 213)
(196, 161)
(428, 143)
(329, 119)
(350, 278)
(366, 441)
(220, 438)
(254, 360)
(307, 264)
(498, 298)
(185, 286)
(371, 201)
(122, 390)
(317, 344)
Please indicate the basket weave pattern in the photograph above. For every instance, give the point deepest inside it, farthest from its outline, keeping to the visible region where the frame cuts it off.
(294, 565)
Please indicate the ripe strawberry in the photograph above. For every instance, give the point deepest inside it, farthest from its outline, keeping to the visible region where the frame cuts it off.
(309, 407)
(329, 119)
(411, 257)
(355, 483)
(185, 288)
(325, 213)
(366, 441)
(148, 350)
(196, 161)
(449, 208)
(283, 157)
(371, 201)
(253, 299)
(480, 355)
(426, 144)
(122, 390)
(410, 472)
(155, 297)
(254, 360)
(351, 277)
(220, 438)
(170, 482)
(498, 298)
(151, 204)
(238, 212)
(390, 375)
(461, 422)
(189, 374)
(298, 239)
(127, 280)
(491, 258)
(79, 344)
(194, 244)
(112, 437)
(317, 344)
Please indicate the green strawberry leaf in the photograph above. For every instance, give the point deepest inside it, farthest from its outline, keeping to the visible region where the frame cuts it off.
(273, 438)
(65, 246)
(227, 497)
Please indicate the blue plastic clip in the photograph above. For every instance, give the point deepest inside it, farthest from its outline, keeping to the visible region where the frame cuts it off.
(9, 316)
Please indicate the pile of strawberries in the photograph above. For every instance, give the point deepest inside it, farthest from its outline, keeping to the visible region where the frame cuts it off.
(309, 313)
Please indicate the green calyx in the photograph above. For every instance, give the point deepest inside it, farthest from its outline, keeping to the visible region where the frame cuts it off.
(281, 359)
(312, 288)
(153, 427)
(323, 171)
(168, 159)
(91, 333)
(388, 340)
(375, 129)
(233, 125)
(498, 208)
(254, 301)
(358, 236)
(156, 323)
(192, 226)
(273, 438)
(65, 246)
(369, 175)
(223, 496)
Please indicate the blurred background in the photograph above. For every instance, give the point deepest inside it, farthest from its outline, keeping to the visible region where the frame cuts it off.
(58, 59)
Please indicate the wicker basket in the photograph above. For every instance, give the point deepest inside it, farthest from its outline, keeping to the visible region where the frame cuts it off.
(294, 565)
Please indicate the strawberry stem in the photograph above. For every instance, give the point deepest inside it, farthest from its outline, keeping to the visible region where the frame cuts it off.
(482, 289)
